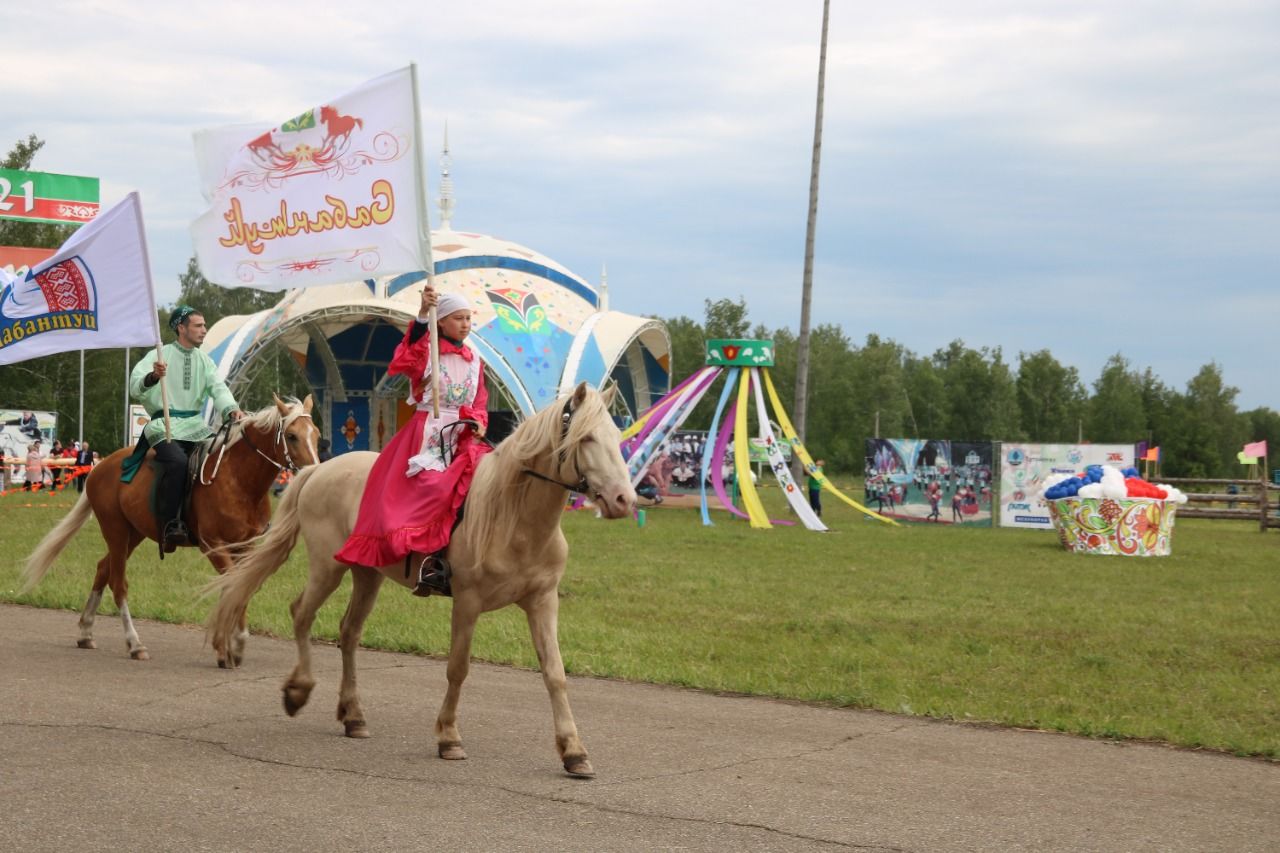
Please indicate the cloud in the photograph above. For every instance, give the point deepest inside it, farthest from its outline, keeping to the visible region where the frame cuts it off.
(975, 156)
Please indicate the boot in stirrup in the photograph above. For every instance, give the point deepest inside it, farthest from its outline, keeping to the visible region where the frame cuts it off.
(433, 576)
(175, 534)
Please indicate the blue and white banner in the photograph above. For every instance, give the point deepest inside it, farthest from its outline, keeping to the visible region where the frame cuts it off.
(1025, 467)
(93, 293)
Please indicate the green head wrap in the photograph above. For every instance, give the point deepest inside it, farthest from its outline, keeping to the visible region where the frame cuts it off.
(179, 314)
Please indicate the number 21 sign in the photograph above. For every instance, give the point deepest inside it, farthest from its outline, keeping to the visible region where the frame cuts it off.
(45, 197)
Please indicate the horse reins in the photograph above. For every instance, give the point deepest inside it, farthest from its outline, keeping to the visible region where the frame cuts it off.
(244, 434)
(582, 487)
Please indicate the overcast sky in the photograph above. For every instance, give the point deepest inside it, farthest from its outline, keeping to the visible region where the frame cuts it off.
(1090, 177)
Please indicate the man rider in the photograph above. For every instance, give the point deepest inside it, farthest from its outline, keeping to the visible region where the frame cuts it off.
(194, 382)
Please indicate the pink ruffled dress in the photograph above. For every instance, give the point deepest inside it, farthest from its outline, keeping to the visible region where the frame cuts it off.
(411, 498)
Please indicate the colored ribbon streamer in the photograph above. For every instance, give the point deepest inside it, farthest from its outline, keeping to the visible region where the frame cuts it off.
(714, 449)
(779, 465)
(659, 407)
(789, 432)
(644, 455)
(742, 460)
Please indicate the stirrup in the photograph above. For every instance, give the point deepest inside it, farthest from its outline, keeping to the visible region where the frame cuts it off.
(433, 577)
(175, 534)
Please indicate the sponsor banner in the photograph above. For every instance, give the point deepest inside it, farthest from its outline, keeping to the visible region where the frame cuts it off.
(328, 196)
(930, 480)
(1026, 467)
(138, 420)
(758, 450)
(19, 429)
(46, 197)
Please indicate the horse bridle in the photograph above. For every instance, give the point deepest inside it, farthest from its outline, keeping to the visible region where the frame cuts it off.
(224, 433)
(582, 487)
(284, 445)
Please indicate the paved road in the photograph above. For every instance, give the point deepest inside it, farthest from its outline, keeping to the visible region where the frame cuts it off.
(98, 752)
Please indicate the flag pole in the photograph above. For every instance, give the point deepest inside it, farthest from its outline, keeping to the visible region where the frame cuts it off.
(424, 238)
(155, 318)
(80, 428)
(128, 421)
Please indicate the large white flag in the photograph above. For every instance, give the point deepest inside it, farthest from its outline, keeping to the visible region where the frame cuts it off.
(93, 293)
(328, 196)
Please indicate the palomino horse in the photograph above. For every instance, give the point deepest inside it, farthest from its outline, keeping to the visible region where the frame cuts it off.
(509, 549)
(228, 506)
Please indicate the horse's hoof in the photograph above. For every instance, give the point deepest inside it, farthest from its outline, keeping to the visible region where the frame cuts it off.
(236, 661)
(139, 654)
(86, 644)
(579, 767)
(294, 703)
(356, 728)
(451, 751)
(222, 663)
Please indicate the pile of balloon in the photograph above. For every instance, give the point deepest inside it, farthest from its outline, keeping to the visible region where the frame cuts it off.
(1106, 481)
(1108, 510)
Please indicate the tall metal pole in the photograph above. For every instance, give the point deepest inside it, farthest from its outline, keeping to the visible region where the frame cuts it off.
(802, 341)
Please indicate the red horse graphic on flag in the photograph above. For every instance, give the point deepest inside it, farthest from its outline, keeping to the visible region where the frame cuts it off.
(304, 146)
(337, 126)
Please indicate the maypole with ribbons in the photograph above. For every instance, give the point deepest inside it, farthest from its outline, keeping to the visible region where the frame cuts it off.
(745, 365)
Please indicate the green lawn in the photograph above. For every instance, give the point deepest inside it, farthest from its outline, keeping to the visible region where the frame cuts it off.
(970, 624)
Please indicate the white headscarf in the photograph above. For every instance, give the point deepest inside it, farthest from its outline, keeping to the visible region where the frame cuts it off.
(450, 302)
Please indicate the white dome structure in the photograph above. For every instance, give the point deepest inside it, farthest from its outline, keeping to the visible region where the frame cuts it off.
(539, 328)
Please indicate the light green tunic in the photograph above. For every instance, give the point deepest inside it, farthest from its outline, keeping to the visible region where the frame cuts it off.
(192, 378)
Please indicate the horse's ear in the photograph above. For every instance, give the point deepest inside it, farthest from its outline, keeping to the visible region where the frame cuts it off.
(609, 395)
(579, 394)
(307, 404)
(281, 406)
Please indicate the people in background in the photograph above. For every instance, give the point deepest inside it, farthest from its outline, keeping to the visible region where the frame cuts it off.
(35, 467)
(84, 461)
(815, 486)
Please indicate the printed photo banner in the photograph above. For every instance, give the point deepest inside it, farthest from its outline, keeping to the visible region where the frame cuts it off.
(328, 196)
(930, 480)
(1025, 467)
(19, 428)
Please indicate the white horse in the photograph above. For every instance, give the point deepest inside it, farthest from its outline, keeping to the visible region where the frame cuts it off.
(509, 549)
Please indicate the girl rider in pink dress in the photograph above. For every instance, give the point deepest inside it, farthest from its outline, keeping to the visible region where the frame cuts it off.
(421, 478)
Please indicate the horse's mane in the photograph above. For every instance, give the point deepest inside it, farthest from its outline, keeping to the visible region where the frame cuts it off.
(500, 488)
(265, 419)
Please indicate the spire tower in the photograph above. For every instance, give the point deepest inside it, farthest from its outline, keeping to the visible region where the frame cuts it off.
(446, 200)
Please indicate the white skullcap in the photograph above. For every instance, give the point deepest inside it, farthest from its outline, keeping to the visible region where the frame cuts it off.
(450, 302)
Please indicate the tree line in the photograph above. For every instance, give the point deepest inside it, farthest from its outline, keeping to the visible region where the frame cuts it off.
(961, 393)
(956, 393)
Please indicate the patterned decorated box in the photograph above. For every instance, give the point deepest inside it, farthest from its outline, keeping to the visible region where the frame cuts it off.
(1128, 527)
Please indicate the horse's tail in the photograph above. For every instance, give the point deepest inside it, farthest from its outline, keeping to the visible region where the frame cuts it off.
(53, 543)
(247, 575)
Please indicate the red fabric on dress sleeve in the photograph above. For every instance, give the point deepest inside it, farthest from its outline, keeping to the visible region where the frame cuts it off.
(412, 360)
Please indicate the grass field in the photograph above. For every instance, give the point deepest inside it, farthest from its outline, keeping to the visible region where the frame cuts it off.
(999, 626)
